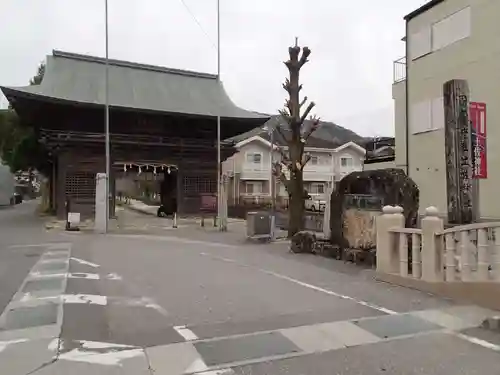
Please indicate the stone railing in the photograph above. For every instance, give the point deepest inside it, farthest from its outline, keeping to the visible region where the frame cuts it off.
(407, 238)
(467, 253)
(471, 252)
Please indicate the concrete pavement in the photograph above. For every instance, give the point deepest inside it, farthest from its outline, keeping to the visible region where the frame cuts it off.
(177, 304)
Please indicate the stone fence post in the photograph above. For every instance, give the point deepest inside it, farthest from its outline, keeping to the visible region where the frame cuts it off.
(326, 214)
(432, 246)
(387, 245)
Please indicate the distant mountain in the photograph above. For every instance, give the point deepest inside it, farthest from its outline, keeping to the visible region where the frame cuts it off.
(327, 131)
(330, 130)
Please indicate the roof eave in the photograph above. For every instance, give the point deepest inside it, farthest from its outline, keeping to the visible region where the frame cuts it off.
(424, 8)
(352, 145)
(19, 92)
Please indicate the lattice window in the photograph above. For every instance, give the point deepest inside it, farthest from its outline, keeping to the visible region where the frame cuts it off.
(199, 184)
(80, 185)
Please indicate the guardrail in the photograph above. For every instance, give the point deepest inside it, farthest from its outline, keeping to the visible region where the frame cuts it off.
(399, 70)
(464, 253)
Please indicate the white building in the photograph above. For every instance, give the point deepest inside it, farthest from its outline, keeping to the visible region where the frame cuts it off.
(250, 168)
(445, 40)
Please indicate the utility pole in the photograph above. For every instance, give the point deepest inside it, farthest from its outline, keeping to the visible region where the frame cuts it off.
(272, 182)
(219, 159)
(106, 117)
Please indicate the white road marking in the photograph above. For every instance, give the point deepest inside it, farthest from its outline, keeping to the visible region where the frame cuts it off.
(33, 245)
(5, 344)
(298, 282)
(82, 275)
(55, 260)
(38, 275)
(102, 345)
(85, 262)
(61, 253)
(111, 358)
(313, 287)
(226, 371)
(113, 276)
(91, 299)
(331, 293)
(186, 333)
(54, 344)
(483, 343)
(76, 275)
(142, 302)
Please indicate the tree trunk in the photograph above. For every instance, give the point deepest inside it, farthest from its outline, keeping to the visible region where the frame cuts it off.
(295, 160)
(296, 207)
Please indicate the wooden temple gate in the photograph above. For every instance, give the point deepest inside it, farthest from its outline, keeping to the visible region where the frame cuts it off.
(81, 158)
(158, 116)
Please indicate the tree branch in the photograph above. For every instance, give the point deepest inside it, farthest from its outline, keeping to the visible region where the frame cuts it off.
(306, 160)
(303, 102)
(293, 52)
(282, 135)
(284, 157)
(286, 85)
(305, 54)
(314, 126)
(285, 115)
(278, 172)
(307, 111)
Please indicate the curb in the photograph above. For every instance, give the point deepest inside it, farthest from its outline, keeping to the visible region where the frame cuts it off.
(139, 210)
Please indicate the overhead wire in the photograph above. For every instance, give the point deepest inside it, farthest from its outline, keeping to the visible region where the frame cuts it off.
(195, 19)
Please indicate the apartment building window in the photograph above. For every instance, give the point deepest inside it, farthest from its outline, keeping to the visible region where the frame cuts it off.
(441, 34)
(451, 29)
(317, 188)
(427, 115)
(420, 43)
(254, 158)
(346, 162)
(253, 187)
(314, 160)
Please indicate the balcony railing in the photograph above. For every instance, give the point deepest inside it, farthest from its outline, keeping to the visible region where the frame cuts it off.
(255, 172)
(399, 70)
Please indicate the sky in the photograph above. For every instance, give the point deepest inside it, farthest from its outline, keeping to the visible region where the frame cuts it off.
(349, 76)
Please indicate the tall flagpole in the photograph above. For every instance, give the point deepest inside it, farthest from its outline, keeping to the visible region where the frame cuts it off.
(106, 116)
(219, 182)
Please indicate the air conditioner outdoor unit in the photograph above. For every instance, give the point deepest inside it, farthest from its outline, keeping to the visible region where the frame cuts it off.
(259, 225)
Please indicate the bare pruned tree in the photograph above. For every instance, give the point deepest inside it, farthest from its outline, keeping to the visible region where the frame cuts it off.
(293, 158)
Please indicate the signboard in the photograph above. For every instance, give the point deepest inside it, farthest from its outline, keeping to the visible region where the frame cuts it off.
(208, 202)
(477, 115)
(74, 218)
(465, 160)
(465, 151)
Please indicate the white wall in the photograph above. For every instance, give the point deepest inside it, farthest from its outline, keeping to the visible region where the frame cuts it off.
(465, 46)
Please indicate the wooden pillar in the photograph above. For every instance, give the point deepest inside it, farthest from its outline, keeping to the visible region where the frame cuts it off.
(53, 185)
(180, 190)
(461, 193)
(112, 191)
(62, 161)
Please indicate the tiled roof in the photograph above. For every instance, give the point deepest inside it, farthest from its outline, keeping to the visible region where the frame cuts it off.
(80, 79)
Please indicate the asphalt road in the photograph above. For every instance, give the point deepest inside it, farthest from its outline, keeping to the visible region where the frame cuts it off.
(194, 303)
(18, 226)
